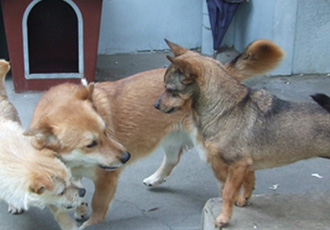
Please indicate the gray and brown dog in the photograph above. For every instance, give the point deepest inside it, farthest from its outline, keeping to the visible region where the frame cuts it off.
(244, 128)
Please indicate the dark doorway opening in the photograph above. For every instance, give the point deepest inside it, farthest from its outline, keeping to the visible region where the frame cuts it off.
(53, 38)
(3, 41)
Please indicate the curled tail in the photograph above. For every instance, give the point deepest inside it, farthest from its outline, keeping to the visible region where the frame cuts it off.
(323, 100)
(4, 69)
(257, 58)
(7, 109)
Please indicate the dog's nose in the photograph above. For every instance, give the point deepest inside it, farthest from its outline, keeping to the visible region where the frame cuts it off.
(126, 156)
(157, 104)
(82, 192)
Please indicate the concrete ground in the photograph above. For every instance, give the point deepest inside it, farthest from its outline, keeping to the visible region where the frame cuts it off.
(275, 212)
(178, 203)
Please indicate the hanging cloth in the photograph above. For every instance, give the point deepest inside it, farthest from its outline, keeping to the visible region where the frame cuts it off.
(221, 13)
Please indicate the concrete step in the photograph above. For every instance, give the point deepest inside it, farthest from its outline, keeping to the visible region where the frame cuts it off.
(274, 212)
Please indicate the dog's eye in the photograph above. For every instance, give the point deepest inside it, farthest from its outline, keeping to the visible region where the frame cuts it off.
(173, 92)
(91, 145)
(62, 193)
(169, 90)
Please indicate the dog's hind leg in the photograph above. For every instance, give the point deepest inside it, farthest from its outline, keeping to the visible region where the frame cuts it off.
(237, 173)
(173, 144)
(248, 187)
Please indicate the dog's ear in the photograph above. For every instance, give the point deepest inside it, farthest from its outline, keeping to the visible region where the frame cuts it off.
(85, 92)
(41, 183)
(90, 90)
(191, 69)
(176, 49)
(43, 138)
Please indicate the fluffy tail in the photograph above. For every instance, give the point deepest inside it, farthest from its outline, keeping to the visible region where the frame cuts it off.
(4, 69)
(7, 109)
(323, 100)
(257, 58)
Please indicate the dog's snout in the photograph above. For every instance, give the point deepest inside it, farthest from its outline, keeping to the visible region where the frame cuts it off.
(82, 192)
(157, 104)
(126, 156)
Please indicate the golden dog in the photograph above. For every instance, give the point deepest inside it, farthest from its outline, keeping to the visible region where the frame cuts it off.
(125, 109)
(242, 128)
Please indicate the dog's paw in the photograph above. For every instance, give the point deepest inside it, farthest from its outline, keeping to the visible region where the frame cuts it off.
(242, 202)
(222, 221)
(153, 181)
(80, 213)
(15, 211)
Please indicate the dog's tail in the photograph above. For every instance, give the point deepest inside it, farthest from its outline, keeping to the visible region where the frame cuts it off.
(257, 58)
(323, 100)
(4, 69)
(7, 109)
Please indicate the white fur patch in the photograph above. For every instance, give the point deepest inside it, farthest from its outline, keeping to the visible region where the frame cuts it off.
(78, 158)
(199, 146)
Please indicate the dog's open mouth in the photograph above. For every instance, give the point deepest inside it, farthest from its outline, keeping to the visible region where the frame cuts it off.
(109, 168)
(173, 109)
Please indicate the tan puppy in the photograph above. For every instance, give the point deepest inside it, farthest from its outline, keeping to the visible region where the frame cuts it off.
(245, 129)
(126, 107)
(29, 177)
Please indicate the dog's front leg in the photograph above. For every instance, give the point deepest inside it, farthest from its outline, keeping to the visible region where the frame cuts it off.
(248, 187)
(14, 210)
(105, 188)
(237, 173)
(80, 213)
(62, 218)
(220, 170)
(219, 167)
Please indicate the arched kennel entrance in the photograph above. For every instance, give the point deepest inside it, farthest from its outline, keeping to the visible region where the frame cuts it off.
(51, 41)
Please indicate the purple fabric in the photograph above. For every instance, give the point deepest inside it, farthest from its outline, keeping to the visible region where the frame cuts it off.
(221, 14)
